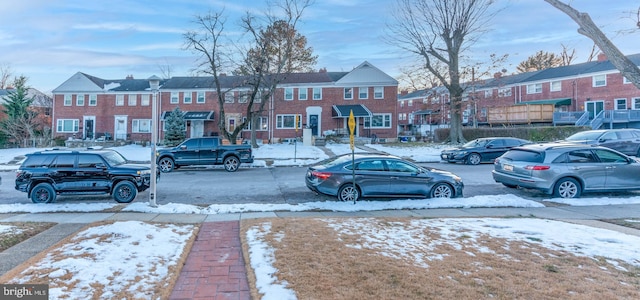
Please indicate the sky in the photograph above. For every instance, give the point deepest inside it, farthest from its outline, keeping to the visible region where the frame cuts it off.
(100, 246)
(49, 41)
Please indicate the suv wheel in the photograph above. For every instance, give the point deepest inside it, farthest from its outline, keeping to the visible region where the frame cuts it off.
(124, 191)
(567, 188)
(231, 163)
(43, 193)
(166, 164)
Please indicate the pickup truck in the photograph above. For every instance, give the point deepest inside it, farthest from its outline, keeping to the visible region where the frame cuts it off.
(204, 151)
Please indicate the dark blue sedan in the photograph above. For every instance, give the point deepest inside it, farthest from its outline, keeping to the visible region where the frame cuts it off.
(481, 150)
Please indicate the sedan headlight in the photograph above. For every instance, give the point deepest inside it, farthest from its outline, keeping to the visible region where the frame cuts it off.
(457, 178)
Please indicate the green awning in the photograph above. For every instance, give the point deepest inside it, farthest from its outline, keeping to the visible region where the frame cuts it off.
(343, 111)
(555, 102)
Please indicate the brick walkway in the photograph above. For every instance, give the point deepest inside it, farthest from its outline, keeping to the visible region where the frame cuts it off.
(215, 266)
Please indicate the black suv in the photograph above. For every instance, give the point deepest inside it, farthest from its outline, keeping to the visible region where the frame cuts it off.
(45, 174)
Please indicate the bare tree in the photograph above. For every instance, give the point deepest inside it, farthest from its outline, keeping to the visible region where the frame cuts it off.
(567, 55)
(589, 29)
(414, 77)
(441, 30)
(593, 53)
(5, 75)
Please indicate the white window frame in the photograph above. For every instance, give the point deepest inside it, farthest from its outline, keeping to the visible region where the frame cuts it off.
(619, 101)
(62, 123)
(243, 97)
(187, 97)
(385, 122)
(378, 92)
(410, 103)
(504, 92)
(555, 86)
(317, 93)
(534, 88)
(625, 80)
(93, 100)
(280, 121)
(363, 92)
(67, 100)
(488, 93)
(401, 103)
(599, 80)
(175, 98)
(80, 100)
(229, 97)
(120, 100)
(145, 99)
(263, 124)
(303, 93)
(132, 100)
(288, 94)
(200, 97)
(636, 102)
(141, 125)
(348, 93)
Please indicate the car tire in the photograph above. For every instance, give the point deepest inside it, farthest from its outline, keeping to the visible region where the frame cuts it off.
(474, 159)
(166, 165)
(511, 186)
(348, 193)
(124, 191)
(441, 190)
(231, 163)
(567, 188)
(43, 193)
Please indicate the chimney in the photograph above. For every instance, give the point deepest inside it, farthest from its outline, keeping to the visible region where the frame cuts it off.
(404, 92)
(129, 77)
(322, 70)
(497, 75)
(602, 57)
(223, 74)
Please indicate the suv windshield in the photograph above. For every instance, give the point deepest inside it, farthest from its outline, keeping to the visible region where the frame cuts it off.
(114, 158)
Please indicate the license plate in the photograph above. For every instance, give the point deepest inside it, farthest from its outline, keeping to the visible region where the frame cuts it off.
(507, 167)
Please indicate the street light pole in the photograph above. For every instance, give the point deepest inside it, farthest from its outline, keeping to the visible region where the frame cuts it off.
(154, 83)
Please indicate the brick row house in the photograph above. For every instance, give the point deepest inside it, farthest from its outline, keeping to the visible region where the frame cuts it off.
(87, 107)
(591, 94)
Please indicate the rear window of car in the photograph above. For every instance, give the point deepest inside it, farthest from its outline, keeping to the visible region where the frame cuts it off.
(37, 161)
(523, 155)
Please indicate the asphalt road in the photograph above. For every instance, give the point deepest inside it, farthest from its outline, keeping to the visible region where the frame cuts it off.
(278, 185)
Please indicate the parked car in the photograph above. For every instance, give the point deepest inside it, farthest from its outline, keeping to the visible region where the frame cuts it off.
(204, 151)
(567, 170)
(625, 140)
(380, 175)
(481, 150)
(45, 174)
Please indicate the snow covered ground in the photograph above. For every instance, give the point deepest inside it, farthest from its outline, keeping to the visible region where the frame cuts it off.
(170, 241)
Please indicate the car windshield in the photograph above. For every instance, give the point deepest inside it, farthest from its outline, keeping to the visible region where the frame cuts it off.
(476, 143)
(585, 135)
(114, 158)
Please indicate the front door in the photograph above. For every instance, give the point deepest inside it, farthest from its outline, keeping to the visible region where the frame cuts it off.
(120, 128)
(197, 128)
(89, 127)
(313, 124)
(594, 108)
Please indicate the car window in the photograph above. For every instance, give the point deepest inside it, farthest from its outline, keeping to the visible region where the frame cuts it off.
(191, 144)
(476, 143)
(64, 161)
(370, 165)
(399, 166)
(523, 155)
(609, 136)
(585, 135)
(114, 158)
(581, 156)
(38, 161)
(496, 143)
(206, 143)
(89, 161)
(513, 142)
(609, 157)
(625, 135)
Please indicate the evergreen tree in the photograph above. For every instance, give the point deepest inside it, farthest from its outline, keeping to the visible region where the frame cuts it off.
(176, 131)
(20, 123)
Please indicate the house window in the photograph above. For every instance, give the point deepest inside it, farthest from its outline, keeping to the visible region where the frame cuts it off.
(504, 92)
(401, 103)
(141, 125)
(68, 125)
(599, 80)
(363, 93)
(67, 100)
(174, 98)
(302, 93)
(348, 93)
(410, 103)
(93, 100)
(119, 100)
(488, 93)
(229, 97)
(378, 92)
(288, 121)
(535, 88)
(187, 97)
(317, 93)
(555, 86)
(288, 94)
(636, 103)
(144, 99)
(625, 80)
(243, 97)
(263, 124)
(133, 100)
(200, 97)
(621, 104)
(378, 121)
(79, 100)
(258, 97)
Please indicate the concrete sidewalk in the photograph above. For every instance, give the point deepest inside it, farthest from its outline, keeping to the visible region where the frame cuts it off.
(220, 235)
